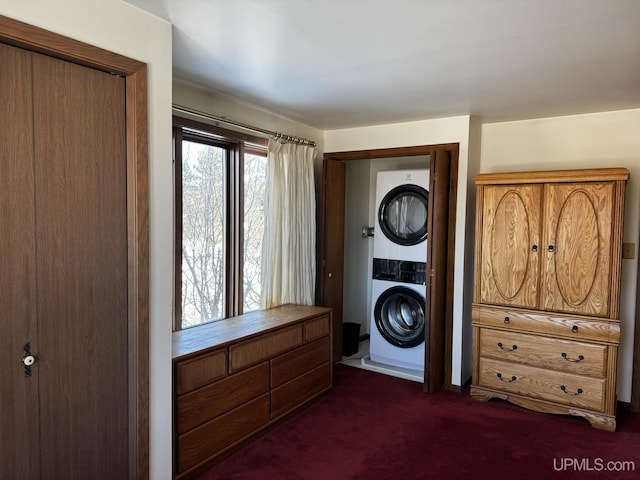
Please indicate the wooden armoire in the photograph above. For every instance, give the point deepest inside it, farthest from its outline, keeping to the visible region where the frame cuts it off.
(546, 322)
(73, 260)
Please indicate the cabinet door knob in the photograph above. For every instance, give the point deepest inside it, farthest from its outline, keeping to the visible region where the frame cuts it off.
(507, 320)
(534, 248)
(29, 360)
(330, 275)
(551, 248)
(574, 329)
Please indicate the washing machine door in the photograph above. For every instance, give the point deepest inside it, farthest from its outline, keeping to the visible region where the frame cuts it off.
(402, 214)
(399, 316)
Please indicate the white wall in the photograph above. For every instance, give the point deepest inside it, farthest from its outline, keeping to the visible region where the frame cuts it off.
(610, 139)
(430, 132)
(121, 28)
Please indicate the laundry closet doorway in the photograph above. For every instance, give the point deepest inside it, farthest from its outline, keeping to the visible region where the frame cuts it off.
(442, 160)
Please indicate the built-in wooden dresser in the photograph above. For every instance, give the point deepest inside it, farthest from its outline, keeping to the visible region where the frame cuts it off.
(235, 377)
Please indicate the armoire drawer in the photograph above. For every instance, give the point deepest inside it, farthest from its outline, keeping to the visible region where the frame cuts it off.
(294, 393)
(192, 374)
(546, 323)
(296, 362)
(551, 353)
(250, 352)
(538, 383)
(212, 400)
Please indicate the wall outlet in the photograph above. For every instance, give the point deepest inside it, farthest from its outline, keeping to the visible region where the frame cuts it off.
(629, 250)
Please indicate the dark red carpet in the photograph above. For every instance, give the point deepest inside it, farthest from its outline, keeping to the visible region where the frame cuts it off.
(372, 426)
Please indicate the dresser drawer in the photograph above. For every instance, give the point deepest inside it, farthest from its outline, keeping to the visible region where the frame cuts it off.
(214, 399)
(571, 327)
(291, 364)
(250, 352)
(208, 440)
(552, 353)
(291, 395)
(564, 388)
(191, 374)
(316, 328)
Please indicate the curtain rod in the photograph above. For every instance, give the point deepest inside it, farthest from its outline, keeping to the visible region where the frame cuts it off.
(272, 134)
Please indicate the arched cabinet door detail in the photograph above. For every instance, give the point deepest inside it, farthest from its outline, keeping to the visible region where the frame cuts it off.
(577, 248)
(510, 253)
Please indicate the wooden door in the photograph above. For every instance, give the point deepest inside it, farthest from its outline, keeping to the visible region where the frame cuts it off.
(435, 312)
(80, 178)
(332, 263)
(65, 291)
(577, 244)
(510, 259)
(18, 392)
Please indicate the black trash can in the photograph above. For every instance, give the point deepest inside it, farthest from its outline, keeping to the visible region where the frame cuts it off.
(350, 338)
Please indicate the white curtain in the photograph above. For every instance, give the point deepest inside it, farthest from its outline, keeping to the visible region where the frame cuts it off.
(289, 244)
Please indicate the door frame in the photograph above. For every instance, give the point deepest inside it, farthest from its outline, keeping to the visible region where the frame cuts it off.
(333, 203)
(28, 37)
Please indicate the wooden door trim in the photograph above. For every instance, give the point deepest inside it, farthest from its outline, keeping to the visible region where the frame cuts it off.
(36, 39)
(453, 149)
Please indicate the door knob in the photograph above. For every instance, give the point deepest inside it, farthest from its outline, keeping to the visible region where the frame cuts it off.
(27, 359)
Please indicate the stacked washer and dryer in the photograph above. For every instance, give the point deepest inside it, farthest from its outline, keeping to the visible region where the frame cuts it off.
(399, 271)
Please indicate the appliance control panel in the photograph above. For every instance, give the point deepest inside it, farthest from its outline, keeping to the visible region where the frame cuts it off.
(399, 271)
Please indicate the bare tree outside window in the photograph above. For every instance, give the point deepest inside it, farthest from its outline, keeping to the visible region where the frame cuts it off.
(203, 233)
(208, 274)
(254, 195)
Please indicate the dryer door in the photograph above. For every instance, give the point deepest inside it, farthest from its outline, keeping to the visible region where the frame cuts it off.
(402, 214)
(399, 316)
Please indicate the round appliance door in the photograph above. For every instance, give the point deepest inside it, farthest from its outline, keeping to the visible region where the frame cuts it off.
(402, 214)
(399, 316)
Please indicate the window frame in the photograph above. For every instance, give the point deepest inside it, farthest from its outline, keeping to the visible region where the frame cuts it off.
(236, 144)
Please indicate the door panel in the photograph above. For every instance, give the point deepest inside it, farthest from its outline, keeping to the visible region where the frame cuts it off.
(80, 178)
(18, 393)
(436, 271)
(332, 265)
(577, 248)
(510, 245)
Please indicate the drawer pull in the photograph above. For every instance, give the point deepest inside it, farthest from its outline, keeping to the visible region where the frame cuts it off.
(564, 389)
(574, 329)
(566, 357)
(513, 378)
(501, 347)
(506, 320)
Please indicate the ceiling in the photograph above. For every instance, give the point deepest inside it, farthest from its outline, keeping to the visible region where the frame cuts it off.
(333, 64)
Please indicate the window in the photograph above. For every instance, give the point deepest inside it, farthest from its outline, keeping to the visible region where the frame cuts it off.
(219, 202)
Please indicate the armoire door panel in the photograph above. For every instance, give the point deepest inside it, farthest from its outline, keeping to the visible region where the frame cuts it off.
(577, 248)
(510, 245)
(81, 243)
(18, 392)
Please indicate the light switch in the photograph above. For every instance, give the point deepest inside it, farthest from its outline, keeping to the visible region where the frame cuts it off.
(629, 250)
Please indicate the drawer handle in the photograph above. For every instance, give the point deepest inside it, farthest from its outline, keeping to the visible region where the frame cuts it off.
(574, 329)
(513, 378)
(513, 347)
(566, 357)
(564, 389)
(506, 320)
